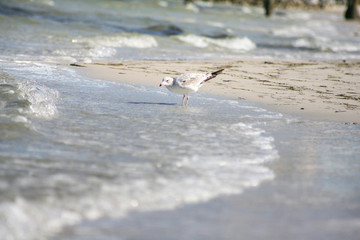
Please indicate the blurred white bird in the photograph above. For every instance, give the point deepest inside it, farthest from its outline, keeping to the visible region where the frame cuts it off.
(187, 83)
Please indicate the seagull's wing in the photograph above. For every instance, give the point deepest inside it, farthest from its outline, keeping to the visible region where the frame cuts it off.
(193, 79)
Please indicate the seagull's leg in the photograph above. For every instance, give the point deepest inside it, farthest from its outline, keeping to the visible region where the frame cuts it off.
(182, 104)
(187, 100)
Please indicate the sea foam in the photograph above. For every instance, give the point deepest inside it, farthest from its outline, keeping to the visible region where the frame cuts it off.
(232, 43)
(21, 99)
(120, 40)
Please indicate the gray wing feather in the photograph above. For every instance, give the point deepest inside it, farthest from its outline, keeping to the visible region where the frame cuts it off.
(193, 78)
(196, 79)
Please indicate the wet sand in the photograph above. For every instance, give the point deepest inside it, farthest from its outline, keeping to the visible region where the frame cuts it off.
(315, 90)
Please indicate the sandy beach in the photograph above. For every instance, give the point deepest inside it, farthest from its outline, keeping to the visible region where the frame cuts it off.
(315, 90)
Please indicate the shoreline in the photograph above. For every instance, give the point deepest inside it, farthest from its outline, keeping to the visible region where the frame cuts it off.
(327, 91)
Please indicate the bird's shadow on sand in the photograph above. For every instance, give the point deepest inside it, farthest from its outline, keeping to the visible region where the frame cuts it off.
(153, 103)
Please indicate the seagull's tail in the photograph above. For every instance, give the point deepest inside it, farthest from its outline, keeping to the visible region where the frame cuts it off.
(214, 74)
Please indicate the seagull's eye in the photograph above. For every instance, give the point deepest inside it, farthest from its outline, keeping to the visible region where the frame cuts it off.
(167, 80)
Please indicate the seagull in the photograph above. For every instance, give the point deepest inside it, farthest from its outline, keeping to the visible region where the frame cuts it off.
(187, 83)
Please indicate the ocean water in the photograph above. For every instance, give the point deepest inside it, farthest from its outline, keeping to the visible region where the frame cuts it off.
(87, 159)
(74, 149)
(82, 158)
(84, 30)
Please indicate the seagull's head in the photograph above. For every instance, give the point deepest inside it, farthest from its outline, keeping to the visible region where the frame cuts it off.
(167, 81)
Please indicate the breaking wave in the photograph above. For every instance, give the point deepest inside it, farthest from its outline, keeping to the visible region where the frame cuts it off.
(120, 40)
(232, 43)
(20, 101)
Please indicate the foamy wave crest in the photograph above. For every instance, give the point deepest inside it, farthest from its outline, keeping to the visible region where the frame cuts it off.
(84, 53)
(42, 100)
(325, 45)
(340, 47)
(238, 44)
(44, 2)
(23, 99)
(122, 40)
(293, 31)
